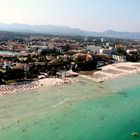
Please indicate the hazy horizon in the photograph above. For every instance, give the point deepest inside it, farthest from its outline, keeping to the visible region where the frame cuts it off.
(89, 15)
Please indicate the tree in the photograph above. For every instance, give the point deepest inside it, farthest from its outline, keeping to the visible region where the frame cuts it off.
(121, 51)
(32, 73)
(1, 77)
(133, 56)
(14, 74)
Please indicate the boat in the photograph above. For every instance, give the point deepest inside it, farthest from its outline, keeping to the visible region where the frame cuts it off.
(101, 81)
(70, 73)
(135, 134)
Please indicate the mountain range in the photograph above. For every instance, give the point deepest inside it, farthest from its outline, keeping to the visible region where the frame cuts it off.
(65, 30)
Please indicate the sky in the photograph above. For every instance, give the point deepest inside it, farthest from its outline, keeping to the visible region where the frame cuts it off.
(90, 15)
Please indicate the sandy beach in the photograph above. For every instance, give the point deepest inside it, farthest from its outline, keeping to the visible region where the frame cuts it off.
(113, 71)
(31, 85)
(108, 72)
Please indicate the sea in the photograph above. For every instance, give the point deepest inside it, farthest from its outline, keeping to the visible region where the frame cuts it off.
(76, 111)
(7, 53)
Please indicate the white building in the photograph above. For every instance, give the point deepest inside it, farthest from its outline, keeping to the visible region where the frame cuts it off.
(102, 40)
(108, 51)
(119, 58)
(107, 44)
(131, 51)
(94, 49)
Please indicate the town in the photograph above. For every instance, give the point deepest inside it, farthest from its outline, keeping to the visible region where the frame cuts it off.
(33, 56)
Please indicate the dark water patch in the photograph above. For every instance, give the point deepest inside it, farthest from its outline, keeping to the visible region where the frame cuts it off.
(124, 94)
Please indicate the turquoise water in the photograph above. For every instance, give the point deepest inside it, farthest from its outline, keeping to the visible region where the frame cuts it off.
(81, 111)
(7, 53)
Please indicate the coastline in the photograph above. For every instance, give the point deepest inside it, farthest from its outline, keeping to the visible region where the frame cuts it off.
(25, 86)
(107, 73)
(30, 114)
(114, 71)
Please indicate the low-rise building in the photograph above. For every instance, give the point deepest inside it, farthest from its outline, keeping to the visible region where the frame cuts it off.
(94, 49)
(120, 58)
(108, 51)
(131, 51)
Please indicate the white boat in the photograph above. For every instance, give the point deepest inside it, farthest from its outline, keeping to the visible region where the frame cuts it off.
(135, 134)
(70, 73)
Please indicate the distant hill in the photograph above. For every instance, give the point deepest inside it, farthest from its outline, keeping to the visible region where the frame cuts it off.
(64, 30)
(124, 35)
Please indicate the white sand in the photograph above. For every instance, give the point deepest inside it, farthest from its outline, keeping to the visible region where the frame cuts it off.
(24, 86)
(114, 71)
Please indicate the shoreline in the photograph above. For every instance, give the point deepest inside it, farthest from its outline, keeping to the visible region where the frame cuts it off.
(25, 86)
(26, 117)
(114, 71)
(109, 72)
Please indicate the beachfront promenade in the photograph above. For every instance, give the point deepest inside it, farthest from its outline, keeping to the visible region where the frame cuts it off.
(31, 85)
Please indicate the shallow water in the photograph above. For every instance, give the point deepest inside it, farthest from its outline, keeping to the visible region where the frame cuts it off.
(78, 111)
(7, 53)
